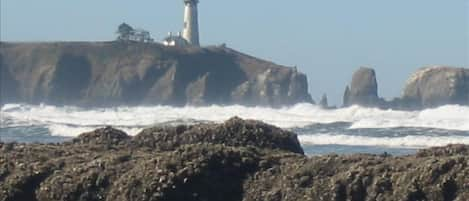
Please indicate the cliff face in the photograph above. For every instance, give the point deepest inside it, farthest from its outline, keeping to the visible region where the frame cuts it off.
(234, 161)
(113, 73)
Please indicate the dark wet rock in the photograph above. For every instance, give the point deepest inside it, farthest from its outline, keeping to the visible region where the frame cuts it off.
(364, 177)
(215, 162)
(113, 73)
(107, 135)
(234, 132)
(217, 174)
(363, 89)
(455, 149)
(436, 86)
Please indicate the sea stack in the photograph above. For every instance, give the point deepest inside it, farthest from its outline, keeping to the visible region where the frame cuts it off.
(437, 85)
(363, 89)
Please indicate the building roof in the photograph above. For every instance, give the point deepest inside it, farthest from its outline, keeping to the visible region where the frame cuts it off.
(174, 38)
(191, 1)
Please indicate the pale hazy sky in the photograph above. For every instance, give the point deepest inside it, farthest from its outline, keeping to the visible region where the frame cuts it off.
(327, 40)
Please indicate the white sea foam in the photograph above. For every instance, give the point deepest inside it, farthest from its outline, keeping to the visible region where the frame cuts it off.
(410, 141)
(72, 120)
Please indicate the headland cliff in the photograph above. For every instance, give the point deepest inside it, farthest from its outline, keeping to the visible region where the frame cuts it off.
(131, 73)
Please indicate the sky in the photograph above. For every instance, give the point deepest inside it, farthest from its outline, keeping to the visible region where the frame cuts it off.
(327, 40)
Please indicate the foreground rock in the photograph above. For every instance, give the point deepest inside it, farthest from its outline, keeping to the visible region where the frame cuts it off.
(114, 73)
(237, 160)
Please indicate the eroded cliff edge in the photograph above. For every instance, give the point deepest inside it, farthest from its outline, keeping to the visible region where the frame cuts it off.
(115, 73)
(233, 161)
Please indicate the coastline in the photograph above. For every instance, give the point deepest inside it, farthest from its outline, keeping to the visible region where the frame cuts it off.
(239, 159)
(321, 131)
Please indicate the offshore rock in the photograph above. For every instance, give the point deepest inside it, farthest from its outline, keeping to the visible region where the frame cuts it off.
(115, 73)
(426, 88)
(363, 89)
(436, 86)
(323, 103)
(215, 162)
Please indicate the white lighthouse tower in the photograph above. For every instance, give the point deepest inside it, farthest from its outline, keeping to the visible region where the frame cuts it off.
(191, 23)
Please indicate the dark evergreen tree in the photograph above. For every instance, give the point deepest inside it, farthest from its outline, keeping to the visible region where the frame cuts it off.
(124, 31)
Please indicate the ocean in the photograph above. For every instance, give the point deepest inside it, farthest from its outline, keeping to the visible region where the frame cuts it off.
(343, 131)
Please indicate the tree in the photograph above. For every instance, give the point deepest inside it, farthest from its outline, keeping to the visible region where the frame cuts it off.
(125, 31)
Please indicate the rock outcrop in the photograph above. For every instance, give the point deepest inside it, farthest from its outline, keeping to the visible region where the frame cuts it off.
(114, 73)
(438, 85)
(428, 87)
(363, 89)
(234, 161)
(323, 103)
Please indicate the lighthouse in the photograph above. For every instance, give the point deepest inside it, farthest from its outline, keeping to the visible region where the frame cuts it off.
(191, 24)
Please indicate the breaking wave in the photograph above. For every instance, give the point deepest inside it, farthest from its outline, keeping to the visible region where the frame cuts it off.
(411, 141)
(71, 121)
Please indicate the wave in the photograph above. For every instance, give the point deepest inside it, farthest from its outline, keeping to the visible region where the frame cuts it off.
(410, 141)
(71, 121)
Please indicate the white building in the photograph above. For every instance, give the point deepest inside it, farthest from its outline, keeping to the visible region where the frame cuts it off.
(190, 33)
(175, 40)
(140, 35)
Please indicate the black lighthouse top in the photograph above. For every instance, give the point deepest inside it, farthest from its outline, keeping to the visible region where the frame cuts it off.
(191, 1)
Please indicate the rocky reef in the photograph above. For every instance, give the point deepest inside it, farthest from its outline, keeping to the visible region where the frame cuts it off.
(236, 160)
(127, 73)
(427, 87)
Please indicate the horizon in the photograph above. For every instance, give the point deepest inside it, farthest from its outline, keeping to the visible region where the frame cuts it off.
(327, 47)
